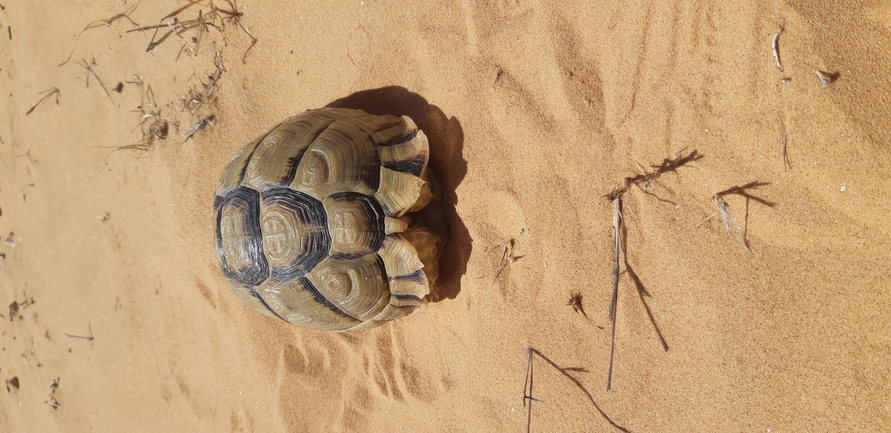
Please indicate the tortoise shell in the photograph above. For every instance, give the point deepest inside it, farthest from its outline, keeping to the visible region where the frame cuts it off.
(311, 223)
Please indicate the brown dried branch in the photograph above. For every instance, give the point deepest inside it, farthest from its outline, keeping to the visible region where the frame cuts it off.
(234, 16)
(199, 125)
(106, 22)
(89, 70)
(728, 218)
(48, 93)
(786, 164)
(215, 18)
(566, 372)
(643, 180)
(507, 257)
(83, 337)
(153, 126)
(617, 197)
(198, 96)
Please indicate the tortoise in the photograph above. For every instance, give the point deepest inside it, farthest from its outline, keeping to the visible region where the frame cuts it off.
(313, 221)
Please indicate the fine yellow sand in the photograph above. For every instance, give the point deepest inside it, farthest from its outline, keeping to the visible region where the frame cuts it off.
(534, 110)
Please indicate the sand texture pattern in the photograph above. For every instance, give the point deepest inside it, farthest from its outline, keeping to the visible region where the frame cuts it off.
(117, 117)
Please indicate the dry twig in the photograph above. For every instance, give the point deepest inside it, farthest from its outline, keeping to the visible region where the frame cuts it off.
(199, 125)
(507, 257)
(776, 48)
(152, 125)
(728, 218)
(48, 93)
(568, 373)
(215, 18)
(786, 164)
(617, 196)
(103, 22)
(83, 337)
(198, 96)
(527, 389)
(89, 70)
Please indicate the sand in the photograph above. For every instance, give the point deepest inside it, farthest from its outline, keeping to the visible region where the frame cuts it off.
(535, 110)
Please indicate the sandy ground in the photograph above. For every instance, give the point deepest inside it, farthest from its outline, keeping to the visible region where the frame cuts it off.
(534, 110)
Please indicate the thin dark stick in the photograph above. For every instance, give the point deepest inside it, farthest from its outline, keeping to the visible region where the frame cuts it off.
(216, 18)
(786, 163)
(507, 257)
(152, 43)
(566, 372)
(235, 16)
(618, 222)
(728, 219)
(48, 93)
(616, 196)
(89, 337)
(199, 125)
(503, 263)
(99, 23)
(527, 390)
(89, 68)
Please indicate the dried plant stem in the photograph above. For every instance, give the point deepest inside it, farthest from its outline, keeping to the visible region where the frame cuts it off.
(776, 49)
(507, 257)
(89, 70)
(48, 93)
(214, 18)
(99, 23)
(643, 182)
(727, 217)
(527, 390)
(84, 337)
(618, 226)
(786, 164)
(199, 125)
(503, 263)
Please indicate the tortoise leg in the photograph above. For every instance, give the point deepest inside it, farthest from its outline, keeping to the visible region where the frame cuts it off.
(425, 244)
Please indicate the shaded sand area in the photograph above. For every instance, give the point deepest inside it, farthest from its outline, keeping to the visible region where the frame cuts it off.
(119, 318)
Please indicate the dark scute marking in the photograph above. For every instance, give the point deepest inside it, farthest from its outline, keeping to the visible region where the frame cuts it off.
(418, 275)
(404, 138)
(373, 176)
(255, 294)
(217, 203)
(383, 269)
(249, 200)
(292, 168)
(375, 213)
(413, 166)
(408, 297)
(348, 256)
(312, 214)
(322, 300)
(295, 161)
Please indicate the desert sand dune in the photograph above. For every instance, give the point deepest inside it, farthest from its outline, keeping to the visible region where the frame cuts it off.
(120, 319)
